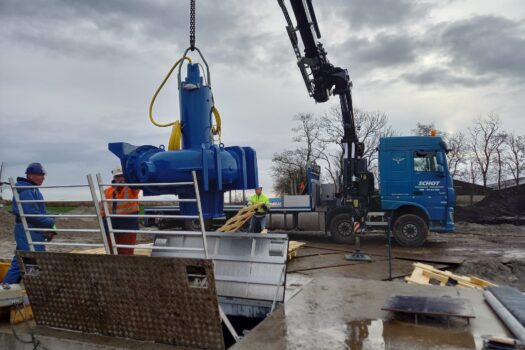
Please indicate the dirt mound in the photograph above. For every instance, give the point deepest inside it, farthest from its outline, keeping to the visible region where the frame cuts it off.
(82, 210)
(507, 202)
(499, 271)
(7, 225)
(498, 207)
(81, 222)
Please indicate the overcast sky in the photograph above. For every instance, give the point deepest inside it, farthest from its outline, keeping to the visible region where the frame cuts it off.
(76, 75)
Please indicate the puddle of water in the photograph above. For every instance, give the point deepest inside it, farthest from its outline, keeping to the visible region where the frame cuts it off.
(393, 334)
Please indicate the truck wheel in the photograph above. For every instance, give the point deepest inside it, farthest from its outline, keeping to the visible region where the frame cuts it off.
(342, 228)
(410, 230)
(161, 223)
(194, 225)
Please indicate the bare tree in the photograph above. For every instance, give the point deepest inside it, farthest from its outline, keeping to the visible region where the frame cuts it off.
(457, 154)
(515, 159)
(426, 129)
(308, 135)
(473, 174)
(289, 167)
(482, 142)
(332, 126)
(500, 149)
(371, 127)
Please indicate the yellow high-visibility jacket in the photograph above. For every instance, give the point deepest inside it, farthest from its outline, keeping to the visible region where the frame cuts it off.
(256, 199)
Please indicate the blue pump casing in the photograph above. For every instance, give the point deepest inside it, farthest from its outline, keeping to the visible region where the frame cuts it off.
(218, 168)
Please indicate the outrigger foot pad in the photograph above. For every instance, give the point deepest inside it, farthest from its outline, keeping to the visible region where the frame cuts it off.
(358, 256)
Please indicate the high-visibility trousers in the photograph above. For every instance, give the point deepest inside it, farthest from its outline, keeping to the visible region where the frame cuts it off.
(123, 238)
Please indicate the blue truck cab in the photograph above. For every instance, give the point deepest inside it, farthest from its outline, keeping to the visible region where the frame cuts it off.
(415, 185)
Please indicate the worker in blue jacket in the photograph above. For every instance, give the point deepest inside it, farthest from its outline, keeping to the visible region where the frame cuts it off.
(35, 177)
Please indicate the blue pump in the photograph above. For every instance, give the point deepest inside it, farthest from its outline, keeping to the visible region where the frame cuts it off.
(218, 168)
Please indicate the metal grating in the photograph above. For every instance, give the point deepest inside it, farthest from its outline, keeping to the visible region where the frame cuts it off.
(165, 300)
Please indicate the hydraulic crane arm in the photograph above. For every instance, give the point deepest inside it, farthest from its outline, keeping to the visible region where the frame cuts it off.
(323, 79)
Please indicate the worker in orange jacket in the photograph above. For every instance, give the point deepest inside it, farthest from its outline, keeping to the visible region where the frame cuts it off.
(122, 208)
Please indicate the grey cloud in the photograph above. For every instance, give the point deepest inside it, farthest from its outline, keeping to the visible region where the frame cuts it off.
(440, 76)
(381, 51)
(475, 51)
(486, 45)
(381, 13)
(116, 29)
(35, 137)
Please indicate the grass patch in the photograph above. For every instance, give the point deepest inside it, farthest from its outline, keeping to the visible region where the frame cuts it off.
(59, 210)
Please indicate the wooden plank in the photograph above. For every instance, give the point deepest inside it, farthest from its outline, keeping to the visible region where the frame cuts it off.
(101, 250)
(417, 277)
(481, 282)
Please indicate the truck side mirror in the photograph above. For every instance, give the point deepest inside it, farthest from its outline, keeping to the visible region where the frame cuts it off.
(440, 169)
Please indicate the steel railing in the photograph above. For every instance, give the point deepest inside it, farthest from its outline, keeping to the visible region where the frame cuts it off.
(23, 216)
(108, 238)
(112, 231)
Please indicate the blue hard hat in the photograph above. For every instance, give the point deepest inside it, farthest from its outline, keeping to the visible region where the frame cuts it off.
(35, 168)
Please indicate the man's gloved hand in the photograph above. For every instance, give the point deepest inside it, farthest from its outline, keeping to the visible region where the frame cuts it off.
(48, 235)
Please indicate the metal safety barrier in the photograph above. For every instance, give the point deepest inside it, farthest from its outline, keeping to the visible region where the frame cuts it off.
(108, 238)
(112, 231)
(23, 216)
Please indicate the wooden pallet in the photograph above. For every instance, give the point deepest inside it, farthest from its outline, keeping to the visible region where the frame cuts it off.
(293, 247)
(428, 274)
(238, 220)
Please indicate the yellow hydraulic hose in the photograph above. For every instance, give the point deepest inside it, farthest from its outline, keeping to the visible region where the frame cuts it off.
(175, 137)
(216, 129)
(176, 132)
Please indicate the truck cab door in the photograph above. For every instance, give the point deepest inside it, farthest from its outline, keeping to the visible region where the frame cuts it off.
(429, 184)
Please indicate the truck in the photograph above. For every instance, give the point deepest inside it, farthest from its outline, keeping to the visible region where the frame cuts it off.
(416, 192)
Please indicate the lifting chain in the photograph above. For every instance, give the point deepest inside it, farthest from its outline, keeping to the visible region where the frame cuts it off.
(192, 25)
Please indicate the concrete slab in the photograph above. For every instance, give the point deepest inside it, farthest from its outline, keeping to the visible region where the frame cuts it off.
(345, 313)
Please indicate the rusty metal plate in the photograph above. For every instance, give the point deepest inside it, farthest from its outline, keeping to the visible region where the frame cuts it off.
(165, 300)
(441, 306)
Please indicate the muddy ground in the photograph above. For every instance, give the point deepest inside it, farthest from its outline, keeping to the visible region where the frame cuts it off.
(492, 252)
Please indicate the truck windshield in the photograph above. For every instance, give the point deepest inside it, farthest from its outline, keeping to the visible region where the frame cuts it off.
(425, 161)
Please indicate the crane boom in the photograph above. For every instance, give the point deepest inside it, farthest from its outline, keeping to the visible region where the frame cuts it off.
(323, 79)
